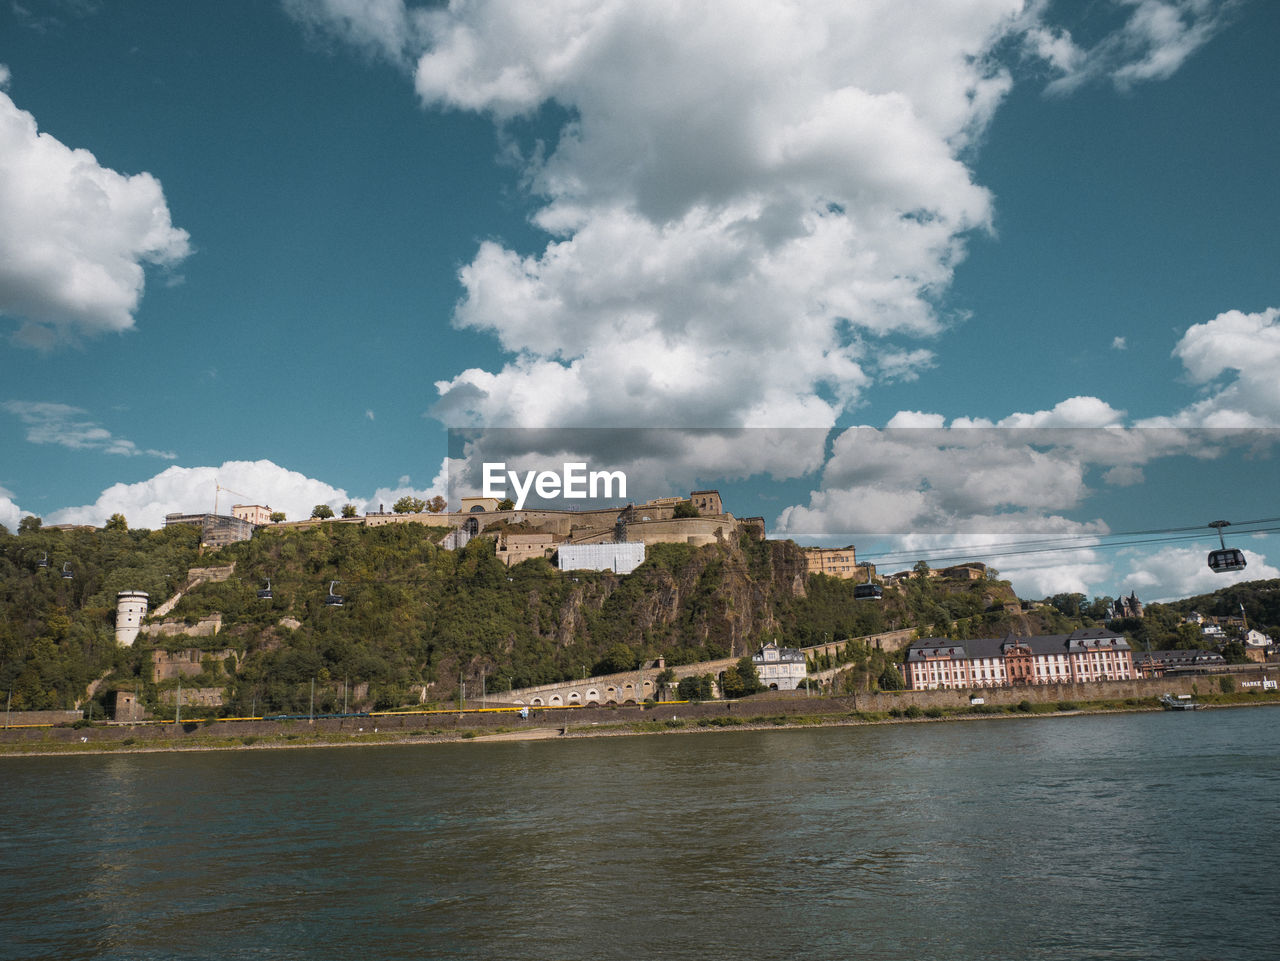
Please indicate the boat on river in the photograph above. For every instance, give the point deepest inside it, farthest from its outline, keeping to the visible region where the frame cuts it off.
(1179, 702)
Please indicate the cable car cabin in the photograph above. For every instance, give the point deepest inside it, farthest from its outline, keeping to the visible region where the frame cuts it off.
(1227, 559)
(868, 592)
(66, 571)
(333, 600)
(43, 562)
(265, 593)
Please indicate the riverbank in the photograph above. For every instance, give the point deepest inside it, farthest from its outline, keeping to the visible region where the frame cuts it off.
(740, 716)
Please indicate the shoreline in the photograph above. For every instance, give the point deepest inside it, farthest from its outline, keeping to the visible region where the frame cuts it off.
(714, 724)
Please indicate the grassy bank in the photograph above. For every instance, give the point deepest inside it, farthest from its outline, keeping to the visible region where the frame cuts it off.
(138, 740)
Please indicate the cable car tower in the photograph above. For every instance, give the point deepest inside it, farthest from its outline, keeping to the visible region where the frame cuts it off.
(1228, 558)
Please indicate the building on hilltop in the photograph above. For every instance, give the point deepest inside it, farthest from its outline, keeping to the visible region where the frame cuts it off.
(1085, 655)
(780, 668)
(620, 558)
(512, 548)
(259, 515)
(707, 502)
(131, 608)
(216, 530)
(1128, 606)
(833, 561)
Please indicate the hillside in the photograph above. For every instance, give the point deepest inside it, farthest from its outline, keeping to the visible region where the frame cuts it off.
(418, 619)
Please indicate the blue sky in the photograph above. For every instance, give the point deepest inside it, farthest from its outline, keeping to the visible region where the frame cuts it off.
(285, 245)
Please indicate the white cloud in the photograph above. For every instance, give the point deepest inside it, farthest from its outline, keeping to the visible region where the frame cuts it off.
(383, 28)
(1072, 412)
(1174, 572)
(1119, 343)
(752, 203)
(1154, 41)
(4, 76)
(10, 512)
(74, 236)
(1236, 359)
(67, 426)
(191, 490)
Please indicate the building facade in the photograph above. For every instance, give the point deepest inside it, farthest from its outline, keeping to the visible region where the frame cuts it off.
(256, 514)
(620, 558)
(1086, 655)
(1160, 663)
(131, 608)
(780, 668)
(832, 561)
(216, 530)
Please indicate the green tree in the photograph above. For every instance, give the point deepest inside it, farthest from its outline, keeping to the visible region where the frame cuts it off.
(29, 524)
(620, 657)
(890, 679)
(694, 688)
(741, 680)
(686, 509)
(409, 505)
(349, 510)
(1233, 652)
(277, 517)
(116, 522)
(506, 504)
(437, 504)
(322, 511)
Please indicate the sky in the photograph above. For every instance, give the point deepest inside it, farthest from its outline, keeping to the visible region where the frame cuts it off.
(943, 275)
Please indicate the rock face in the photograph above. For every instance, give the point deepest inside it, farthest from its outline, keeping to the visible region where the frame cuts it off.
(719, 597)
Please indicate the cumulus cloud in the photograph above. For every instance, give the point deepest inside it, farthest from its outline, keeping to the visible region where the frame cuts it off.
(74, 236)
(752, 205)
(1011, 495)
(1235, 358)
(67, 426)
(1174, 572)
(10, 512)
(191, 490)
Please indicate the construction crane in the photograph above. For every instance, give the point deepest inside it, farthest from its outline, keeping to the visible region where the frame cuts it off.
(218, 489)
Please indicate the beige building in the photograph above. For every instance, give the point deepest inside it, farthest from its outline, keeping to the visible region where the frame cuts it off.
(832, 561)
(514, 548)
(256, 514)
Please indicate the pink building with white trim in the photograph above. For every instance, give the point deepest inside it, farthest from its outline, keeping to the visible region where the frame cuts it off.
(1085, 655)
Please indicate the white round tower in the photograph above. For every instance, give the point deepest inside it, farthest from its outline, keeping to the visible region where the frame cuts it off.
(131, 608)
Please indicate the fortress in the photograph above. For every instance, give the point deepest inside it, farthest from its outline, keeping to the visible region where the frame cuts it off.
(522, 534)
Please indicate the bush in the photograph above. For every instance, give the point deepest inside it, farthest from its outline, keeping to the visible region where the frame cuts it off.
(933, 712)
(1068, 706)
(914, 711)
(1227, 685)
(1024, 706)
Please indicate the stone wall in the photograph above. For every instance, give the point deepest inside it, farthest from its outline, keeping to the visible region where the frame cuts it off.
(174, 627)
(23, 718)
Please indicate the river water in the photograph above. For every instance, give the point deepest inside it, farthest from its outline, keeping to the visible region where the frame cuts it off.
(1128, 836)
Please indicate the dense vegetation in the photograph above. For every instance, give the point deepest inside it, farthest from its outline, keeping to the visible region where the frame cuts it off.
(419, 621)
